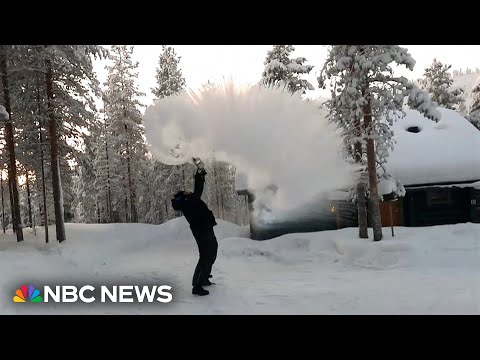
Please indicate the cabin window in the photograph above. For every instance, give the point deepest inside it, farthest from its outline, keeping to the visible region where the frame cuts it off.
(439, 197)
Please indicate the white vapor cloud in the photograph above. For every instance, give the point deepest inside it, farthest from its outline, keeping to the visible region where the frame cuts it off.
(267, 133)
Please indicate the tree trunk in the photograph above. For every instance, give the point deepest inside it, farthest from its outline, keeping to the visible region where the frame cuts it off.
(127, 219)
(42, 164)
(361, 190)
(131, 191)
(98, 212)
(55, 165)
(10, 193)
(30, 222)
(372, 177)
(44, 190)
(183, 177)
(247, 212)
(133, 204)
(3, 204)
(362, 210)
(109, 204)
(109, 195)
(217, 198)
(222, 206)
(10, 142)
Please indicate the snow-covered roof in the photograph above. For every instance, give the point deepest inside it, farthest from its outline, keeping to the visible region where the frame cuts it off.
(441, 152)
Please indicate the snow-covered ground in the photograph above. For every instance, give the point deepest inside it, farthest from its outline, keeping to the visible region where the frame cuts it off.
(434, 270)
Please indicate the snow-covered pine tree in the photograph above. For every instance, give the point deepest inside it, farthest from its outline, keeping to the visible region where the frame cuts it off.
(5, 189)
(156, 205)
(168, 179)
(462, 109)
(29, 104)
(27, 156)
(52, 90)
(212, 194)
(231, 202)
(219, 193)
(70, 82)
(102, 158)
(4, 218)
(474, 110)
(125, 132)
(438, 83)
(280, 70)
(86, 207)
(169, 75)
(366, 99)
(213, 185)
(7, 54)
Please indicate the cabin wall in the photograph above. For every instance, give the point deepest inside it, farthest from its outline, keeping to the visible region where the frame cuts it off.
(330, 216)
(436, 206)
(420, 207)
(392, 212)
(475, 205)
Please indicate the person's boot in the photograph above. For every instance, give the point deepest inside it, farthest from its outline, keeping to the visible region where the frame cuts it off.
(198, 290)
(207, 282)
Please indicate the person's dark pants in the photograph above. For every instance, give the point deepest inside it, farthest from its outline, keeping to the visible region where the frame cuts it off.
(207, 247)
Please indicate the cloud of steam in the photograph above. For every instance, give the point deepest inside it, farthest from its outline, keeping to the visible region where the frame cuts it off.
(267, 133)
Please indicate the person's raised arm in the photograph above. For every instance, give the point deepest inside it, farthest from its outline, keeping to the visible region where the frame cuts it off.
(199, 182)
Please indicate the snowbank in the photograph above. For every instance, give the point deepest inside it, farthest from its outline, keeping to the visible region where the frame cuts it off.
(430, 270)
(439, 152)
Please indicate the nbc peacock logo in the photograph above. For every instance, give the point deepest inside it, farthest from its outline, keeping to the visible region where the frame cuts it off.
(27, 294)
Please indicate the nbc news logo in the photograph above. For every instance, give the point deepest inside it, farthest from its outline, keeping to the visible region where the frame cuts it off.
(32, 295)
(85, 294)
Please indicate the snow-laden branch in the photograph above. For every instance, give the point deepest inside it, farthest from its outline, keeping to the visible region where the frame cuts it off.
(4, 115)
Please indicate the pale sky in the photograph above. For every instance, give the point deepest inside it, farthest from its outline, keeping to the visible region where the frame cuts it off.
(244, 63)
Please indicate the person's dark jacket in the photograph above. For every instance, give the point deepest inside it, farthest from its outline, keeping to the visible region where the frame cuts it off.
(196, 212)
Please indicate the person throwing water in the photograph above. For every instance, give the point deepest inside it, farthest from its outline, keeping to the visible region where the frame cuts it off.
(202, 221)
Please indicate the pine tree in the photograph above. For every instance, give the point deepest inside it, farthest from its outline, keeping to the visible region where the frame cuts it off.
(102, 165)
(438, 83)
(167, 178)
(5, 188)
(125, 132)
(85, 205)
(231, 202)
(280, 70)
(169, 76)
(69, 75)
(5, 56)
(366, 99)
(462, 109)
(154, 198)
(474, 110)
(29, 93)
(52, 91)
(2, 194)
